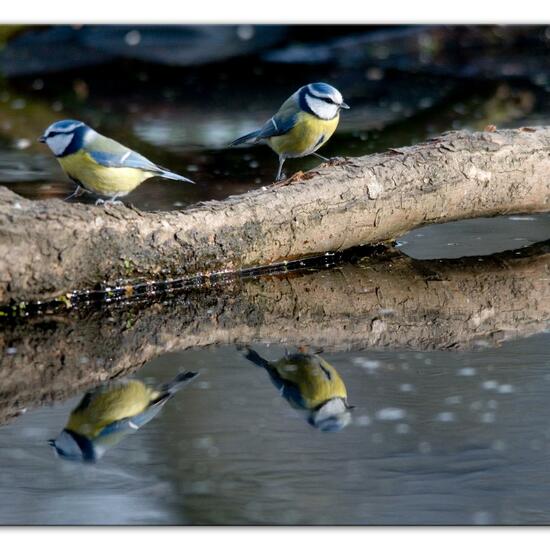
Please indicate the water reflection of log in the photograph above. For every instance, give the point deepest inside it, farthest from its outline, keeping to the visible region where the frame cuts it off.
(395, 302)
(48, 248)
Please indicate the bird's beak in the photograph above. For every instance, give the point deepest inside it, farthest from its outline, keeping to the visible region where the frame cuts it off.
(42, 139)
(51, 442)
(344, 105)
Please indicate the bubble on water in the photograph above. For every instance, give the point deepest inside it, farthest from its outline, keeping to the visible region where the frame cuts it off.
(369, 365)
(482, 518)
(425, 103)
(192, 168)
(213, 452)
(22, 143)
(201, 487)
(424, 447)
(390, 413)
(492, 404)
(476, 405)
(445, 416)
(203, 442)
(204, 385)
(489, 384)
(488, 417)
(498, 445)
(453, 400)
(374, 73)
(18, 104)
(245, 32)
(57, 106)
(253, 164)
(406, 387)
(467, 371)
(363, 420)
(506, 388)
(402, 429)
(178, 204)
(521, 218)
(428, 361)
(132, 38)
(482, 343)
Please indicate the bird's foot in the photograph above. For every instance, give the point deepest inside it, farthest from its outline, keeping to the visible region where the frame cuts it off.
(114, 201)
(298, 177)
(336, 160)
(76, 193)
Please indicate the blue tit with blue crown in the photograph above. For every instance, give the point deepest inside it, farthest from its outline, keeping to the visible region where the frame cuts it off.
(98, 164)
(108, 414)
(303, 124)
(310, 384)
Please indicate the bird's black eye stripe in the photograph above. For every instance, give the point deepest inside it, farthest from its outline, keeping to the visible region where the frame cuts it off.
(325, 99)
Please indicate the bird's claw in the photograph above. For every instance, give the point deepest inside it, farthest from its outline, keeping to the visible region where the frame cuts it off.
(103, 202)
(336, 160)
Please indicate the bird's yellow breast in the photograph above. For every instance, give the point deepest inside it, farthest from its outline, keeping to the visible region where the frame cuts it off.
(309, 133)
(317, 381)
(99, 179)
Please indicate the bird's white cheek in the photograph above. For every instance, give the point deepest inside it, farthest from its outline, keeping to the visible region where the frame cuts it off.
(322, 109)
(59, 143)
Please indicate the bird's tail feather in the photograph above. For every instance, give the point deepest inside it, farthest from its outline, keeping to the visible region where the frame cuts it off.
(173, 176)
(244, 139)
(256, 358)
(181, 380)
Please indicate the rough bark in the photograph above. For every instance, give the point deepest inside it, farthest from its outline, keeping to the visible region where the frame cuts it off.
(390, 302)
(49, 248)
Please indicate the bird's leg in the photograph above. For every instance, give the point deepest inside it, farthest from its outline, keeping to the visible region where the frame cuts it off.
(76, 193)
(324, 159)
(331, 159)
(99, 201)
(279, 175)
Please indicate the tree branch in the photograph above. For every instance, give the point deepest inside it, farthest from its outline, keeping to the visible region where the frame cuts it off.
(49, 248)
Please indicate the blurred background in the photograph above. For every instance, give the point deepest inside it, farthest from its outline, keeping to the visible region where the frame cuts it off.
(437, 437)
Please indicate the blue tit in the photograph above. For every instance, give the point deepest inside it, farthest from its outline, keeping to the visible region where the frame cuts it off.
(98, 164)
(309, 384)
(305, 122)
(106, 415)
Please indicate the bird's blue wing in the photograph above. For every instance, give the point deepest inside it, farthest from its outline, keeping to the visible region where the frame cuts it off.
(127, 159)
(277, 126)
(133, 423)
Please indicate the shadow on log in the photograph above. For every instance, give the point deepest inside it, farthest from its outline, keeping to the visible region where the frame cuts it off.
(51, 248)
(387, 302)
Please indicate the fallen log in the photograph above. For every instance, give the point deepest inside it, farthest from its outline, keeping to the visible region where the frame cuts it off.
(51, 248)
(390, 302)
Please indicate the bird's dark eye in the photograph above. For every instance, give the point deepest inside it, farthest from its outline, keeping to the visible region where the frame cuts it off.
(328, 100)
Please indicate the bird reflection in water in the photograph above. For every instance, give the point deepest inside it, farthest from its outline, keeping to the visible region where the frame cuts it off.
(106, 415)
(309, 384)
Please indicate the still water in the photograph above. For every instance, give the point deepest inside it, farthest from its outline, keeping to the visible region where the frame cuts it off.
(440, 433)
(435, 438)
